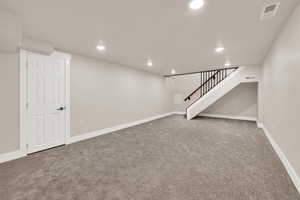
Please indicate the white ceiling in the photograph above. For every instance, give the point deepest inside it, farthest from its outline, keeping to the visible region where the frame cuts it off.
(165, 31)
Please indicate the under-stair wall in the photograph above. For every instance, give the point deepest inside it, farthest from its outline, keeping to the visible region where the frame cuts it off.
(241, 75)
(246, 92)
(239, 103)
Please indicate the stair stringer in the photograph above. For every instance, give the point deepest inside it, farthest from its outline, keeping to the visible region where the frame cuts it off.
(242, 74)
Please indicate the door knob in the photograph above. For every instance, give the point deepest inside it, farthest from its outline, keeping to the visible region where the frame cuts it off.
(61, 108)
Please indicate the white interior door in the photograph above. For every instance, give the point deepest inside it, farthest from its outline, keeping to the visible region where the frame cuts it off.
(46, 102)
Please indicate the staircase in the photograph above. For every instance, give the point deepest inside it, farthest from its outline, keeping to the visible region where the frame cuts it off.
(214, 84)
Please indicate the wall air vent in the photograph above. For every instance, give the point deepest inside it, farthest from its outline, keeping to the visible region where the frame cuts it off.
(269, 11)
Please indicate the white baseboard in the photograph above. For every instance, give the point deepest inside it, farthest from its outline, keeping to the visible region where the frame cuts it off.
(5, 157)
(228, 117)
(292, 173)
(259, 124)
(179, 112)
(289, 168)
(115, 128)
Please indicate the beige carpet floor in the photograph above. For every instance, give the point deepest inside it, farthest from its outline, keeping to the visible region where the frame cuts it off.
(167, 159)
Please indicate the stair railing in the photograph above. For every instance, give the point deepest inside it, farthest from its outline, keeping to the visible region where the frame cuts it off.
(208, 80)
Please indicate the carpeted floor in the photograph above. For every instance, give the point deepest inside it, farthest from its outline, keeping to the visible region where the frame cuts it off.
(167, 159)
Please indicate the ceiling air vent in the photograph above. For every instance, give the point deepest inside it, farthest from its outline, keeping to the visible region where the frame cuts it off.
(269, 11)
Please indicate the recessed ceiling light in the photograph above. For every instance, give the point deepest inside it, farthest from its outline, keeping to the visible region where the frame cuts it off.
(219, 49)
(227, 64)
(101, 47)
(149, 63)
(173, 71)
(196, 4)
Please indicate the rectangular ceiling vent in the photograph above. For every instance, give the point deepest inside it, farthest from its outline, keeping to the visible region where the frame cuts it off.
(269, 11)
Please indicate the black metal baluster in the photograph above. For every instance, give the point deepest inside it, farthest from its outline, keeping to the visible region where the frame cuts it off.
(203, 80)
(209, 82)
(204, 75)
(211, 74)
(205, 84)
(222, 74)
(208, 76)
(215, 78)
(212, 79)
(214, 72)
(201, 84)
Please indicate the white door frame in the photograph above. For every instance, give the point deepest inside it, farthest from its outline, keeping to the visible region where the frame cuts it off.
(23, 97)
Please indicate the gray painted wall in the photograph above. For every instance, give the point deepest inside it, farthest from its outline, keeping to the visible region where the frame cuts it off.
(280, 90)
(9, 106)
(240, 102)
(105, 95)
(102, 95)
